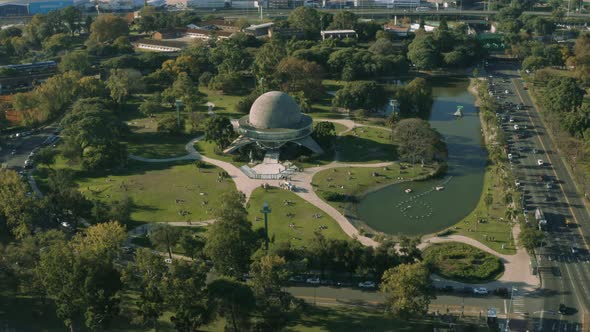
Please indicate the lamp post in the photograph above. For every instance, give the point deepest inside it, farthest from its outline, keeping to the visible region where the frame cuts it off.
(178, 106)
(265, 210)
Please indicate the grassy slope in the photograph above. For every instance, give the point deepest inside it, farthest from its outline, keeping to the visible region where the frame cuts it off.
(366, 144)
(154, 187)
(302, 211)
(462, 262)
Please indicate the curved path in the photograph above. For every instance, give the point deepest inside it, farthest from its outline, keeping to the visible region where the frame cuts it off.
(517, 271)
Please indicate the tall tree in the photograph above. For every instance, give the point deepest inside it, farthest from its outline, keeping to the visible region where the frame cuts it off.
(231, 240)
(148, 275)
(187, 295)
(294, 75)
(18, 210)
(417, 141)
(107, 27)
(232, 300)
(219, 129)
(407, 290)
(165, 237)
(306, 19)
(122, 83)
(266, 62)
(422, 51)
(344, 20)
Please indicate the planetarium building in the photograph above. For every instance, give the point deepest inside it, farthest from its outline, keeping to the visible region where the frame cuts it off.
(274, 120)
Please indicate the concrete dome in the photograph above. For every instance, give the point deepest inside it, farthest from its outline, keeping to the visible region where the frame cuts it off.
(274, 109)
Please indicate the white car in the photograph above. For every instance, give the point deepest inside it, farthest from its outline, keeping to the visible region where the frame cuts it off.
(480, 290)
(367, 284)
(506, 91)
(540, 162)
(66, 224)
(517, 183)
(313, 281)
(516, 127)
(510, 156)
(168, 260)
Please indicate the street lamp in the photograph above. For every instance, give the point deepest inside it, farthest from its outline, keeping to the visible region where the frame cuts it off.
(178, 106)
(265, 210)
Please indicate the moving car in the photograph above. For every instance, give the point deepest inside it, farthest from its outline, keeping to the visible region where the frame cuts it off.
(510, 156)
(480, 290)
(516, 127)
(297, 279)
(367, 284)
(540, 162)
(313, 281)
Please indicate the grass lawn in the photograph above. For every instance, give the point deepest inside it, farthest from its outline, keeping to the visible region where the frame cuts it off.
(298, 212)
(365, 144)
(495, 231)
(353, 181)
(154, 189)
(323, 108)
(155, 145)
(207, 149)
(224, 104)
(462, 262)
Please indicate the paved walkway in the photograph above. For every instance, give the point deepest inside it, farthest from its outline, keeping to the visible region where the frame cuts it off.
(517, 271)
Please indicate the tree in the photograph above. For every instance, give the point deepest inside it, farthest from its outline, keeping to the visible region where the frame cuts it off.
(90, 86)
(231, 240)
(563, 95)
(46, 156)
(269, 275)
(191, 244)
(422, 51)
(150, 106)
(165, 237)
(92, 135)
(409, 249)
(323, 133)
(168, 124)
(57, 43)
(122, 83)
(417, 141)
(233, 301)
(17, 209)
(582, 57)
(108, 27)
(488, 200)
(147, 275)
(382, 46)
(232, 83)
(76, 61)
(183, 88)
(531, 238)
(306, 19)
(295, 75)
(266, 62)
(187, 296)
(71, 16)
(343, 20)
(219, 129)
(407, 290)
(102, 240)
(360, 94)
(83, 284)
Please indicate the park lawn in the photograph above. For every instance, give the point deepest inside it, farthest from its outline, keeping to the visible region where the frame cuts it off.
(144, 240)
(365, 144)
(154, 189)
(322, 108)
(302, 217)
(462, 262)
(496, 231)
(224, 104)
(145, 141)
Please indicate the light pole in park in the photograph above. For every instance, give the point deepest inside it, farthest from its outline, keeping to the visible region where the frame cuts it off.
(265, 210)
(178, 106)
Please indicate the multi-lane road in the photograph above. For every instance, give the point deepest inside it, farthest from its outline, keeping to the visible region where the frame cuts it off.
(564, 263)
(17, 149)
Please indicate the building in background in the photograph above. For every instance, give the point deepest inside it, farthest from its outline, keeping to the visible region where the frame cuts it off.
(44, 7)
(339, 34)
(13, 8)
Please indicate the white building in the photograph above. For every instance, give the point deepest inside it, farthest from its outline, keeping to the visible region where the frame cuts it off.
(339, 34)
(159, 45)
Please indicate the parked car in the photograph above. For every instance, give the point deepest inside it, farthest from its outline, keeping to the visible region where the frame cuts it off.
(313, 281)
(502, 291)
(510, 156)
(574, 250)
(168, 260)
(367, 284)
(480, 291)
(540, 162)
(467, 289)
(297, 279)
(562, 309)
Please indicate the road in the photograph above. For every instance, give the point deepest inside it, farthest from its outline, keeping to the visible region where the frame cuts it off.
(23, 146)
(564, 274)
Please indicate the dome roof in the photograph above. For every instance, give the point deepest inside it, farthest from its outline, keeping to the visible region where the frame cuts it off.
(274, 109)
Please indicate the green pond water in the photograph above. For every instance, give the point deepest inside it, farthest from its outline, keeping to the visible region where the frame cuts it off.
(426, 210)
